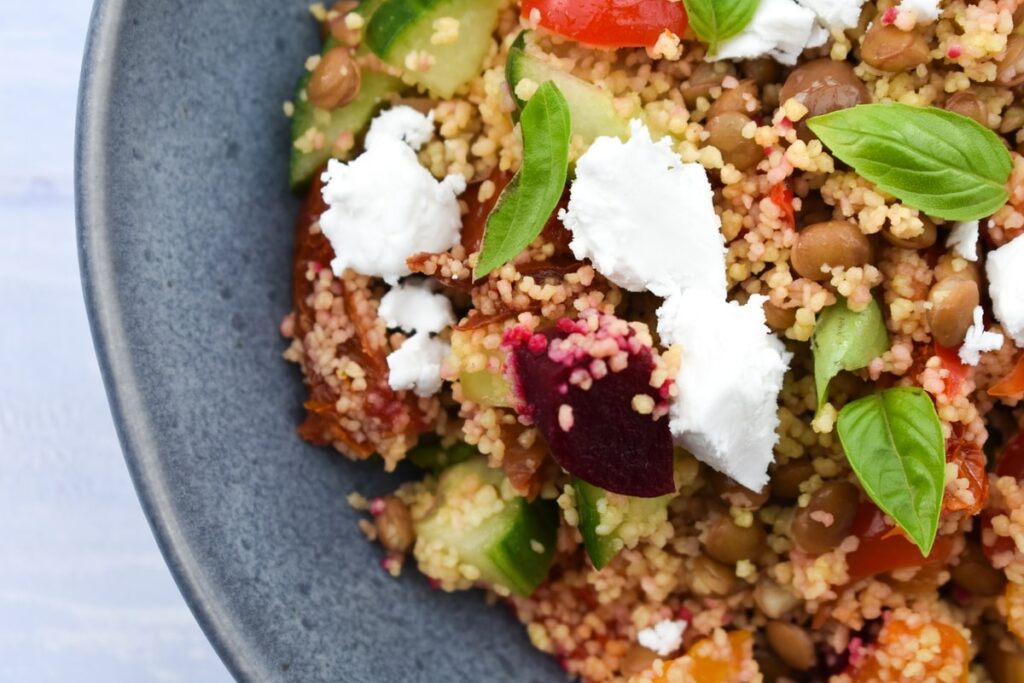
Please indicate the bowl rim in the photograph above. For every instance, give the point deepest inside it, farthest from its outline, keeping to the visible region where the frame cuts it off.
(131, 420)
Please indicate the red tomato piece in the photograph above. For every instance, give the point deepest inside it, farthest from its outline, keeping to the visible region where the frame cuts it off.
(957, 370)
(883, 548)
(610, 23)
(782, 197)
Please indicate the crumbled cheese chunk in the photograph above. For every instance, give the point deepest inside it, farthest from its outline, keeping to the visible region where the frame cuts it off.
(401, 123)
(416, 365)
(963, 240)
(978, 340)
(384, 206)
(414, 307)
(664, 638)
(926, 10)
(1006, 287)
(644, 218)
(836, 15)
(780, 29)
(729, 382)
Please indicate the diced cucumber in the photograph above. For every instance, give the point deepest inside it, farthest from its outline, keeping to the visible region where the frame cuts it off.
(435, 457)
(605, 517)
(486, 388)
(484, 525)
(592, 110)
(315, 130)
(402, 30)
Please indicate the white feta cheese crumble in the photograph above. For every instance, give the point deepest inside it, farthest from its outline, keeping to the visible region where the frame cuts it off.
(664, 638)
(416, 365)
(384, 205)
(732, 368)
(836, 15)
(644, 218)
(963, 240)
(978, 340)
(780, 29)
(1006, 287)
(415, 307)
(927, 10)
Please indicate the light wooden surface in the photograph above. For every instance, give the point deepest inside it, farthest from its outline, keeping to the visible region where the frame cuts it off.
(84, 594)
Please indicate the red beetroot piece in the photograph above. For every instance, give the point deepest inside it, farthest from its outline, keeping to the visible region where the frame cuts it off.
(579, 383)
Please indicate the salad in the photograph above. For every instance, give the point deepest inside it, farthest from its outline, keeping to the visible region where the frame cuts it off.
(702, 321)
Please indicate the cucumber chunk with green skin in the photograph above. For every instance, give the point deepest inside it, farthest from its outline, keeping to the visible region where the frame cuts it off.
(485, 525)
(486, 388)
(315, 130)
(592, 110)
(401, 27)
(603, 547)
(435, 457)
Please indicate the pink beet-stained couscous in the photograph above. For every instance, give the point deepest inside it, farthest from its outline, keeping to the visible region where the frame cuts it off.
(703, 321)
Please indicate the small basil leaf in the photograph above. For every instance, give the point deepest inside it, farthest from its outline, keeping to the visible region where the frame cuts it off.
(846, 340)
(893, 440)
(942, 163)
(527, 202)
(717, 20)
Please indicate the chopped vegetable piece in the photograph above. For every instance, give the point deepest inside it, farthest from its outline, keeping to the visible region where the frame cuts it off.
(402, 32)
(883, 548)
(721, 658)
(435, 457)
(592, 110)
(610, 522)
(319, 134)
(912, 647)
(609, 23)
(1011, 386)
(586, 384)
(488, 531)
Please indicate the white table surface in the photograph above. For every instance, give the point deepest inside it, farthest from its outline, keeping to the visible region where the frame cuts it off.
(84, 593)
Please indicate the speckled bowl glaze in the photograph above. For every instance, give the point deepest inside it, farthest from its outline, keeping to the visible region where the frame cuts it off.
(185, 232)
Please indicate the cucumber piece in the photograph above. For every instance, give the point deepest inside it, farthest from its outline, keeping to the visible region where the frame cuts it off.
(486, 388)
(592, 110)
(401, 27)
(434, 457)
(484, 525)
(605, 518)
(314, 130)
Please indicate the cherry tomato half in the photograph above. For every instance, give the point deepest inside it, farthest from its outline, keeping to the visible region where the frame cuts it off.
(610, 23)
(884, 549)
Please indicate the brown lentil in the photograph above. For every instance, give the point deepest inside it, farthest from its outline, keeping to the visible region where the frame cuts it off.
(925, 240)
(967, 103)
(976, 573)
(729, 543)
(792, 643)
(725, 131)
(888, 48)
(953, 301)
(1011, 65)
(832, 243)
(336, 79)
(823, 86)
(742, 99)
(837, 499)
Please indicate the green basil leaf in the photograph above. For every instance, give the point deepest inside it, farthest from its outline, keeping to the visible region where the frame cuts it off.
(893, 440)
(717, 20)
(942, 163)
(846, 340)
(527, 202)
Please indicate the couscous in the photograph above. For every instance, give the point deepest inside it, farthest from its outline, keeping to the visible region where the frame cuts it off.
(703, 319)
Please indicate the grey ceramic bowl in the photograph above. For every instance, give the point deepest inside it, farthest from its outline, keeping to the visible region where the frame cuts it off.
(185, 229)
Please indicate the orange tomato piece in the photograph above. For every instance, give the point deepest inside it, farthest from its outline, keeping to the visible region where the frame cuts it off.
(722, 658)
(913, 648)
(1012, 385)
